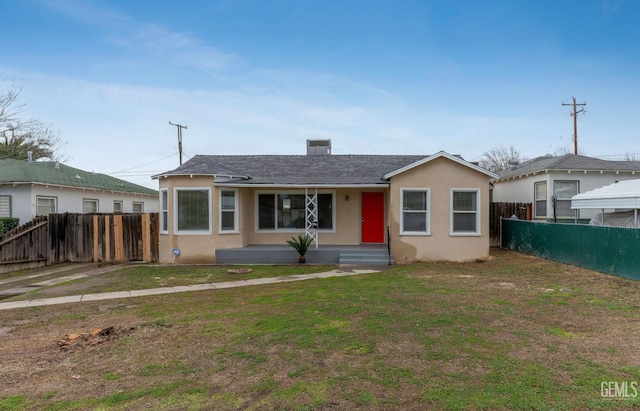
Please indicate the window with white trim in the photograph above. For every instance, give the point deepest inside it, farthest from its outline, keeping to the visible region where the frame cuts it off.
(563, 191)
(89, 205)
(117, 207)
(228, 211)
(192, 210)
(465, 212)
(540, 199)
(46, 205)
(164, 211)
(287, 211)
(414, 204)
(5, 206)
(138, 207)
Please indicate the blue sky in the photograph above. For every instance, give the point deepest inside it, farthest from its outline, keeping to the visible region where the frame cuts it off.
(376, 77)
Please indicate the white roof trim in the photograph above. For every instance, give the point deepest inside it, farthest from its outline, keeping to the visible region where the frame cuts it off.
(165, 175)
(282, 185)
(438, 155)
(104, 190)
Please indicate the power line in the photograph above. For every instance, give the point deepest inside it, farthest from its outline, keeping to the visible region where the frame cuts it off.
(142, 165)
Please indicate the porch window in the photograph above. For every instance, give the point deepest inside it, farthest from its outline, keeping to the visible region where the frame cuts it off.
(287, 211)
(164, 211)
(46, 205)
(465, 212)
(563, 191)
(415, 211)
(228, 211)
(193, 210)
(5, 206)
(540, 199)
(89, 205)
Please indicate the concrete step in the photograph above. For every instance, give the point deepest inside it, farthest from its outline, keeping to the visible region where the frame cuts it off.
(365, 257)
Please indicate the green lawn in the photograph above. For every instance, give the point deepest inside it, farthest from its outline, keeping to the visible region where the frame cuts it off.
(511, 333)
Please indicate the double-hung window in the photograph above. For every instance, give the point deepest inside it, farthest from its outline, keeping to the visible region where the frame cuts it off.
(46, 205)
(465, 212)
(164, 211)
(287, 211)
(192, 210)
(117, 207)
(228, 211)
(562, 192)
(415, 211)
(89, 205)
(138, 207)
(540, 198)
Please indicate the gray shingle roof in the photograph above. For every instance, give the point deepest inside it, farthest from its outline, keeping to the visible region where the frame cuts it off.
(298, 169)
(569, 162)
(46, 172)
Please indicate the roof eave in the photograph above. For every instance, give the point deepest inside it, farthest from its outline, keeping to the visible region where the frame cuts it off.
(78, 188)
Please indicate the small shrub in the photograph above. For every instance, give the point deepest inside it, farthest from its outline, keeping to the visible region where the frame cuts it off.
(301, 245)
(8, 224)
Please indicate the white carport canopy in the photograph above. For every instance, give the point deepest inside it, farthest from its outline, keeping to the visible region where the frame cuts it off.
(623, 195)
(620, 195)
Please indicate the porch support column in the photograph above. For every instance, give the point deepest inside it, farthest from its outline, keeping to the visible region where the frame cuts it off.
(311, 226)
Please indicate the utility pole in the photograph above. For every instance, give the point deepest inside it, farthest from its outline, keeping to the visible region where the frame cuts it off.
(180, 127)
(575, 121)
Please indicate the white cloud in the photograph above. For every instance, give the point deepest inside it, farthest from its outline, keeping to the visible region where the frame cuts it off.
(149, 39)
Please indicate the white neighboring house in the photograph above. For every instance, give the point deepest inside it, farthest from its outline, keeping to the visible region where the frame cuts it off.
(550, 181)
(28, 189)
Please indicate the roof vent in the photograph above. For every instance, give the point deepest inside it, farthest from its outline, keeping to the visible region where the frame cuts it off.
(513, 164)
(318, 147)
(30, 156)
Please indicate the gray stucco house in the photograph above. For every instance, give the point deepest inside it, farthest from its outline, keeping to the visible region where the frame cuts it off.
(549, 182)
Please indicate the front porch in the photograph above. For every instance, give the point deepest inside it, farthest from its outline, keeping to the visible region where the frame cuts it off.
(364, 254)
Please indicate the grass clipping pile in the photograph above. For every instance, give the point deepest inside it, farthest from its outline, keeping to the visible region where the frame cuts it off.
(97, 336)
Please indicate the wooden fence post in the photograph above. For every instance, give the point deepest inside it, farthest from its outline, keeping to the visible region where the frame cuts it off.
(95, 239)
(107, 239)
(146, 237)
(118, 238)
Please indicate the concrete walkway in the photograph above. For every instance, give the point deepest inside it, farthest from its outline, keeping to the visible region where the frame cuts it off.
(179, 289)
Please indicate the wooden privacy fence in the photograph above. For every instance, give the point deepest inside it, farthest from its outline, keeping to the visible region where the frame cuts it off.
(505, 210)
(60, 238)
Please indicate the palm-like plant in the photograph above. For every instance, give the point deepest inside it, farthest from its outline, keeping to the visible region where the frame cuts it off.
(301, 245)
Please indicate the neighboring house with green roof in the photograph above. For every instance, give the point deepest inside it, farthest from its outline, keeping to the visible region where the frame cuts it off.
(28, 189)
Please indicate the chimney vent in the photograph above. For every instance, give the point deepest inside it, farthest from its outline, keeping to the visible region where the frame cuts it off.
(318, 147)
(29, 156)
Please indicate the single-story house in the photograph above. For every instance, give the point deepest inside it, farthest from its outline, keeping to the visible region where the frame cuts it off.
(549, 182)
(422, 207)
(622, 199)
(29, 189)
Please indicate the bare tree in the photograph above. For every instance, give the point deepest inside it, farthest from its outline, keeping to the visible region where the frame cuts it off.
(631, 156)
(500, 158)
(18, 135)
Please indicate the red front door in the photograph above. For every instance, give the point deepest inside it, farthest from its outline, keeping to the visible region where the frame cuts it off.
(373, 217)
